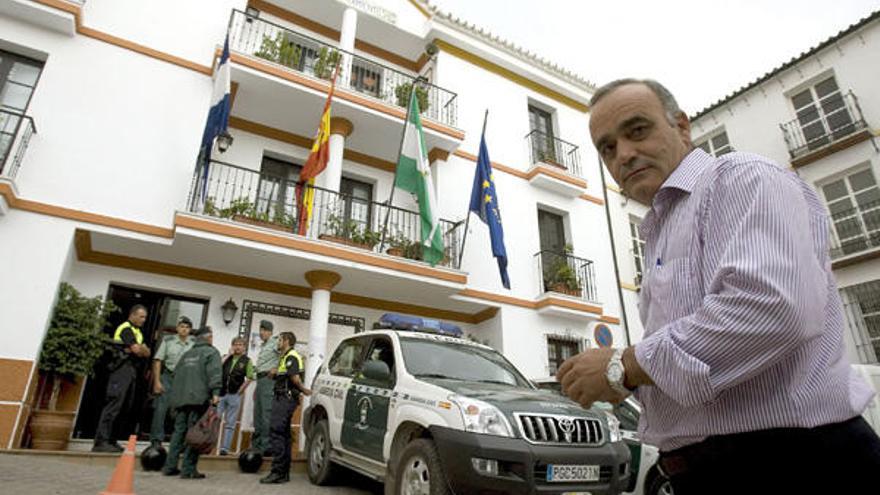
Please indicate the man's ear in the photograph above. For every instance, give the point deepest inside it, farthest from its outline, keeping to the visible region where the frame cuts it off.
(683, 126)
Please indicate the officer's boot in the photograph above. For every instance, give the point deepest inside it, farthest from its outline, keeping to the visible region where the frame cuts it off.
(275, 478)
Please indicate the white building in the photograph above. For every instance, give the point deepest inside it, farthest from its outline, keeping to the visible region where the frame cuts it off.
(103, 108)
(818, 114)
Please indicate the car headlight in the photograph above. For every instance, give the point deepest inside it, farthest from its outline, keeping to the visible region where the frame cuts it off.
(613, 427)
(480, 417)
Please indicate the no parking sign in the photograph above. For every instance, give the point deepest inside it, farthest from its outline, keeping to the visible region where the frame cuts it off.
(602, 336)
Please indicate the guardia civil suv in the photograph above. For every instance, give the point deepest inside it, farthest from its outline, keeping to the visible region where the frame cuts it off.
(432, 414)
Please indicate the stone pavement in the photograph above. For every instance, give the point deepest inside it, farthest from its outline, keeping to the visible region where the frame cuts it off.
(21, 474)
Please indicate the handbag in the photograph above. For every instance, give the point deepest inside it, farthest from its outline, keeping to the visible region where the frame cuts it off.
(203, 435)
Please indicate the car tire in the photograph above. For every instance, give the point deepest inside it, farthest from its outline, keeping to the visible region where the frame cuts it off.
(318, 464)
(419, 470)
(657, 484)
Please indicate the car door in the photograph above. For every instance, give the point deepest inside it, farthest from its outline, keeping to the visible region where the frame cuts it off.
(367, 403)
(343, 366)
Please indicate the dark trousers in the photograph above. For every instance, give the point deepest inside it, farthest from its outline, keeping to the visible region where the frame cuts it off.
(835, 458)
(279, 432)
(184, 418)
(160, 408)
(118, 400)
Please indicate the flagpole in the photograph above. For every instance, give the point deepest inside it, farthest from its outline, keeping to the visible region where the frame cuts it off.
(468, 218)
(399, 151)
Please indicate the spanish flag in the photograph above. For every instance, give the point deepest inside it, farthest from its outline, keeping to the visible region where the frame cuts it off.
(315, 164)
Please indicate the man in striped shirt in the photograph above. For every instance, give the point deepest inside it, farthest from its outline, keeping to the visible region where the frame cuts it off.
(742, 372)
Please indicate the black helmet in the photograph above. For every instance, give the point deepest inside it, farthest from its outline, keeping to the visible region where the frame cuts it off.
(250, 461)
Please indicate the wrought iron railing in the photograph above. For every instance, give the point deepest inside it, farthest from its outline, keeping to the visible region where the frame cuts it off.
(247, 196)
(548, 149)
(862, 308)
(298, 52)
(834, 117)
(855, 230)
(15, 134)
(566, 274)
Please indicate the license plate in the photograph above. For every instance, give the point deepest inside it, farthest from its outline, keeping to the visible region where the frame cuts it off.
(565, 473)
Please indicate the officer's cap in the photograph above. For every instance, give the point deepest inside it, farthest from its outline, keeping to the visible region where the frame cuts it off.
(203, 332)
(185, 321)
(267, 325)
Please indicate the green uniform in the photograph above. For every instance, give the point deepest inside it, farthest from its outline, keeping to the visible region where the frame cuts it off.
(169, 353)
(266, 360)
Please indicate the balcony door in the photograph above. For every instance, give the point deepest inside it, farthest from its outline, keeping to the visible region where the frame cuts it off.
(551, 231)
(18, 79)
(822, 113)
(357, 200)
(277, 189)
(541, 126)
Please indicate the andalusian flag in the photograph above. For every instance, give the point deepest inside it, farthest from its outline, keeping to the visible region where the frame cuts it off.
(315, 164)
(414, 175)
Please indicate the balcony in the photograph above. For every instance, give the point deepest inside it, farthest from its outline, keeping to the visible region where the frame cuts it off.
(249, 197)
(834, 124)
(15, 135)
(58, 16)
(371, 95)
(855, 234)
(555, 164)
(567, 275)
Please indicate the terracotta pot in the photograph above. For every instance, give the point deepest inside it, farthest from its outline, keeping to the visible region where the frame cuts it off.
(563, 289)
(260, 223)
(50, 430)
(344, 241)
(394, 251)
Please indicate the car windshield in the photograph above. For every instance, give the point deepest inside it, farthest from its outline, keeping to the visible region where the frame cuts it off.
(445, 360)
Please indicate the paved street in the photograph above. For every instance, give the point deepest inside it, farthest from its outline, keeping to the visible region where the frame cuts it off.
(27, 475)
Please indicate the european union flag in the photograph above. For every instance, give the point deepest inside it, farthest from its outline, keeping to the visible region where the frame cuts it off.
(484, 202)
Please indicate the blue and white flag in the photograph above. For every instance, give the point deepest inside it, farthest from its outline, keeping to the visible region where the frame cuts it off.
(484, 202)
(218, 116)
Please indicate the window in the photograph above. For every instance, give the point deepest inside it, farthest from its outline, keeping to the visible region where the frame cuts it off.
(542, 138)
(277, 188)
(18, 78)
(862, 303)
(717, 145)
(366, 77)
(822, 113)
(382, 350)
(357, 198)
(560, 348)
(435, 360)
(348, 358)
(638, 248)
(854, 204)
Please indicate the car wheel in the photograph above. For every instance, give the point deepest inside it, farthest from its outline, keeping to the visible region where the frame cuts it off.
(419, 471)
(658, 485)
(319, 466)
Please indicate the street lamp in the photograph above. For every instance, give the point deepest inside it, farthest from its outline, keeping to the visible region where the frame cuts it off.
(228, 309)
(224, 141)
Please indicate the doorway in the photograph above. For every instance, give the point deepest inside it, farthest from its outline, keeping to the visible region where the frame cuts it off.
(163, 310)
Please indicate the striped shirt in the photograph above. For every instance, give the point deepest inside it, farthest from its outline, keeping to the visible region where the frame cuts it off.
(743, 321)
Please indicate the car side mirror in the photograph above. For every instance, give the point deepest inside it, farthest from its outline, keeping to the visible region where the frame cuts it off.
(377, 371)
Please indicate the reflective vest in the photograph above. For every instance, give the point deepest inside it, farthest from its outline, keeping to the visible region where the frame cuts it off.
(138, 336)
(282, 365)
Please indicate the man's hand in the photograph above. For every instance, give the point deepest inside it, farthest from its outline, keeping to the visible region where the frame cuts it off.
(215, 400)
(158, 389)
(273, 372)
(306, 392)
(243, 387)
(583, 378)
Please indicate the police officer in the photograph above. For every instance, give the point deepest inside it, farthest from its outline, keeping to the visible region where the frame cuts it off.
(167, 356)
(288, 387)
(267, 366)
(129, 344)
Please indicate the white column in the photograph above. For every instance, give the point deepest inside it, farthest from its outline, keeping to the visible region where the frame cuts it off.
(346, 42)
(322, 282)
(332, 175)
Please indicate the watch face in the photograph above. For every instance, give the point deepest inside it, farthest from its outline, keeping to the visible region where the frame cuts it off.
(615, 372)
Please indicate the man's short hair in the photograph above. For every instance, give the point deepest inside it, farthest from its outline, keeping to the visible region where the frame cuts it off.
(135, 308)
(670, 105)
(204, 332)
(238, 340)
(289, 337)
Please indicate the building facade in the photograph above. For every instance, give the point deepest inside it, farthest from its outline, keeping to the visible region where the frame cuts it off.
(819, 115)
(103, 108)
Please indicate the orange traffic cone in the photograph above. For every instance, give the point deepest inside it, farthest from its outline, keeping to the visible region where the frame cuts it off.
(122, 481)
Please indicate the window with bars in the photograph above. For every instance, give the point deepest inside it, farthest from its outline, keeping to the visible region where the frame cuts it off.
(560, 348)
(822, 113)
(854, 204)
(638, 248)
(716, 145)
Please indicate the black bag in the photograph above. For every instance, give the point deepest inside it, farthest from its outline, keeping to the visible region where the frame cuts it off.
(203, 435)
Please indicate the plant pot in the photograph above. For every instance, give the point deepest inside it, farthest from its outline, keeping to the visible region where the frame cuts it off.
(344, 241)
(563, 289)
(50, 430)
(393, 251)
(260, 223)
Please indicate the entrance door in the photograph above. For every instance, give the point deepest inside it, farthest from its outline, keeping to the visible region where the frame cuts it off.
(163, 310)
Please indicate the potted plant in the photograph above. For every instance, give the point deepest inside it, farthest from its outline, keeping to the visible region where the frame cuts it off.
(280, 50)
(73, 344)
(326, 63)
(350, 233)
(398, 245)
(561, 277)
(403, 91)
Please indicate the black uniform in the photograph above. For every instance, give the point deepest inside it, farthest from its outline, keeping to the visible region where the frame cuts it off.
(284, 404)
(120, 384)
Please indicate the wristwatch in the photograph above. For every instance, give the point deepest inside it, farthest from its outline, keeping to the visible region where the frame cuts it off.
(615, 373)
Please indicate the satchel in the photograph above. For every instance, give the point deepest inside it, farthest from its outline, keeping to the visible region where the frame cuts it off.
(203, 435)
